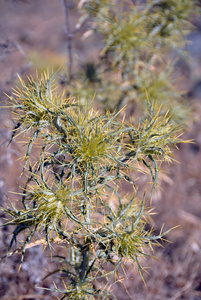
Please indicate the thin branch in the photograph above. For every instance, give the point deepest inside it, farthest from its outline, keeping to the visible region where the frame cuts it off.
(34, 244)
(187, 286)
(9, 47)
(69, 35)
(78, 28)
(189, 218)
(22, 297)
(10, 80)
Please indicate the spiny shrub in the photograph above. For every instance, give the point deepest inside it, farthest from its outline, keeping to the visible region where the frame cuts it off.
(135, 56)
(74, 191)
(71, 187)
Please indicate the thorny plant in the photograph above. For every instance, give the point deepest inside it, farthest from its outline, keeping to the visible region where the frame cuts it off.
(138, 37)
(74, 189)
(84, 159)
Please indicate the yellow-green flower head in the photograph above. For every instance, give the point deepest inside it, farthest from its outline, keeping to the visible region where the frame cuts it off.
(36, 103)
(51, 203)
(92, 137)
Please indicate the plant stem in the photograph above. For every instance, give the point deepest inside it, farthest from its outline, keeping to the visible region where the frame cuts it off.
(85, 259)
(69, 35)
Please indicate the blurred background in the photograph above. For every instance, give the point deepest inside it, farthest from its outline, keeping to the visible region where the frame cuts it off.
(32, 37)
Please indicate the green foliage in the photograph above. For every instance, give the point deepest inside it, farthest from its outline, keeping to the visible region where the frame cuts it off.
(126, 32)
(65, 190)
(73, 191)
(35, 104)
(135, 56)
(170, 18)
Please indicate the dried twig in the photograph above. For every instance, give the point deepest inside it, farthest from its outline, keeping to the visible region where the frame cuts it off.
(8, 47)
(181, 291)
(30, 296)
(189, 218)
(79, 27)
(14, 76)
(34, 244)
(69, 35)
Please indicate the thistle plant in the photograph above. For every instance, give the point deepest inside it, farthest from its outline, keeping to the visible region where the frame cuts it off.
(83, 159)
(74, 190)
(135, 56)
